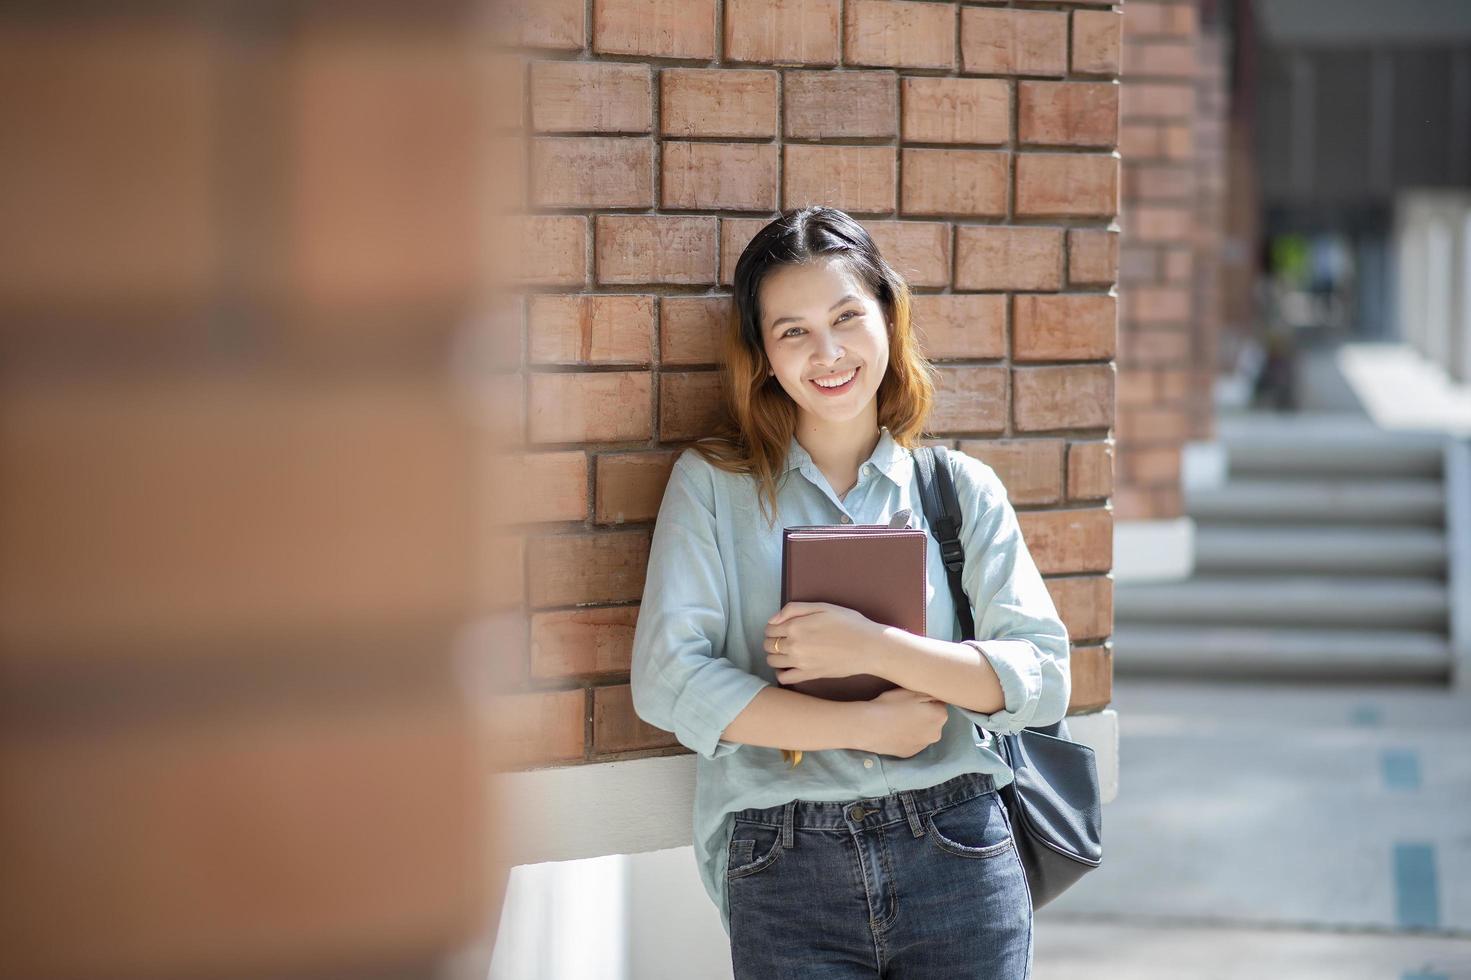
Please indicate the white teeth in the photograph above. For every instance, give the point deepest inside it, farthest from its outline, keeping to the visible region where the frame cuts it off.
(839, 382)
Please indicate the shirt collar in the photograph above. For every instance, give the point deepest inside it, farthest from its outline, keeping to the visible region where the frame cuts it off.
(890, 458)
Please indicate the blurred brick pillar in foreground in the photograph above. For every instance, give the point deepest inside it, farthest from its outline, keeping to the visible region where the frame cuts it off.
(238, 489)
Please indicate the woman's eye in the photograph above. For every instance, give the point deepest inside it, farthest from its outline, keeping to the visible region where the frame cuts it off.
(788, 331)
(847, 313)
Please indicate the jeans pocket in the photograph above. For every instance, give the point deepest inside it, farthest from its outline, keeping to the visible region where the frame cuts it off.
(754, 847)
(973, 828)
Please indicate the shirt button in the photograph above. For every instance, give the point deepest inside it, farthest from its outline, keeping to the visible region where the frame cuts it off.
(847, 519)
(868, 763)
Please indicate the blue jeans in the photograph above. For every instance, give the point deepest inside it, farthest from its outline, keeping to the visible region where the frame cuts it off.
(919, 885)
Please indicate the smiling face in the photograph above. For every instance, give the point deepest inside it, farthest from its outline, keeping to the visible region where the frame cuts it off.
(819, 323)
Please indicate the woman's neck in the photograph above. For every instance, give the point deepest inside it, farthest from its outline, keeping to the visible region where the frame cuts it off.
(840, 448)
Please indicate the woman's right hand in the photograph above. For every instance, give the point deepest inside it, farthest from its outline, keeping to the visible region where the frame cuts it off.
(902, 722)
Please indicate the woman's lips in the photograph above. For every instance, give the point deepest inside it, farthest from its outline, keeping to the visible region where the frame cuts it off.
(840, 388)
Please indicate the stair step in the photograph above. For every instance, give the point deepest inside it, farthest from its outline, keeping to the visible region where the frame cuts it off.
(1411, 603)
(1401, 501)
(1281, 651)
(1347, 550)
(1328, 446)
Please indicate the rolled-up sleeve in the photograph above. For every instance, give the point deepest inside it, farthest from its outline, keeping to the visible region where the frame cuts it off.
(681, 681)
(1018, 629)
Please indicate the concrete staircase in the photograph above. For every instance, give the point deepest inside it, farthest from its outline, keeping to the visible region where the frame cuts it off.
(1326, 552)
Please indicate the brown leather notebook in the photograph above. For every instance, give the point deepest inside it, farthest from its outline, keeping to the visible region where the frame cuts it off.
(877, 570)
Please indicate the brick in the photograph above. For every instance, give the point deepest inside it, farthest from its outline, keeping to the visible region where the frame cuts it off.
(1008, 257)
(1066, 396)
(691, 328)
(1138, 263)
(630, 486)
(957, 110)
(1144, 347)
(1157, 100)
(1067, 184)
(655, 28)
(592, 172)
(538, 487)
(591, 329)
(1090, 468)
(1160, 60)
(1153, 465)
(841, 105)
(1141, 424)
(616, 727)
(1158, 224)
(783, 32)
(500, 579)
(899, 34)
(1137, 386)
(857, 179)
(1156, 305)
(1075, 540)
(969, 399)
(1093, 256)
(918, 250)
(604, 407)
(505, 411)
(1084, 603)
(1177, 264)
(1096, 42)
(735, 235)
(717, 102)
(1167, 19)
(589, 96)
(689, 404)
(719, 176)
(551, 250)
(1140, 141)
(633, 249)
(306, 829)
(538, 728)
(1030, 469)
(160, 474)
(370, 170)
(955, 182)
(960, 325)
(554, 24)
(1178, 142)
(1068, 113)
(1147, 503)
(582, 642)
(501, 332)
(1013, 42)
(1091, 670)
(505, 75)
(586, 567)
(1074, 326)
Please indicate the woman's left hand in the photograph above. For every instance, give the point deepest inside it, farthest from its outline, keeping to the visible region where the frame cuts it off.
(819, 639)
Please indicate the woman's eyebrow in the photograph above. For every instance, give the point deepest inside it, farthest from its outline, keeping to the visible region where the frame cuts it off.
(839, 303)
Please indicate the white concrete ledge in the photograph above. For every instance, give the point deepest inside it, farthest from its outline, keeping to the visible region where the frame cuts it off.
(1153, 551)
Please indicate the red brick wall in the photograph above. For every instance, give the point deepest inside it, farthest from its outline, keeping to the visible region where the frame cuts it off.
(975, 143)
(1160, 376)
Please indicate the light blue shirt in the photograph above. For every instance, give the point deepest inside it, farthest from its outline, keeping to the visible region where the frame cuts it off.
(714, 579)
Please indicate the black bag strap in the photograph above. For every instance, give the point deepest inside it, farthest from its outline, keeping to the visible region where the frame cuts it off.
(942, 510)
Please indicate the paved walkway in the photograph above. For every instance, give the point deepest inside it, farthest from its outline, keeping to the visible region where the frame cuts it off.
(1277, 830)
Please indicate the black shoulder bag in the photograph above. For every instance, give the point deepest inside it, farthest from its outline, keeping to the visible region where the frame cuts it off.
(1054, 804)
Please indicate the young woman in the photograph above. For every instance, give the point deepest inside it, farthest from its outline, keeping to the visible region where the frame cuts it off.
(883, 850)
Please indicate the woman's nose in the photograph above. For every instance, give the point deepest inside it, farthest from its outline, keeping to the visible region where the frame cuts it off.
(828, 350)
